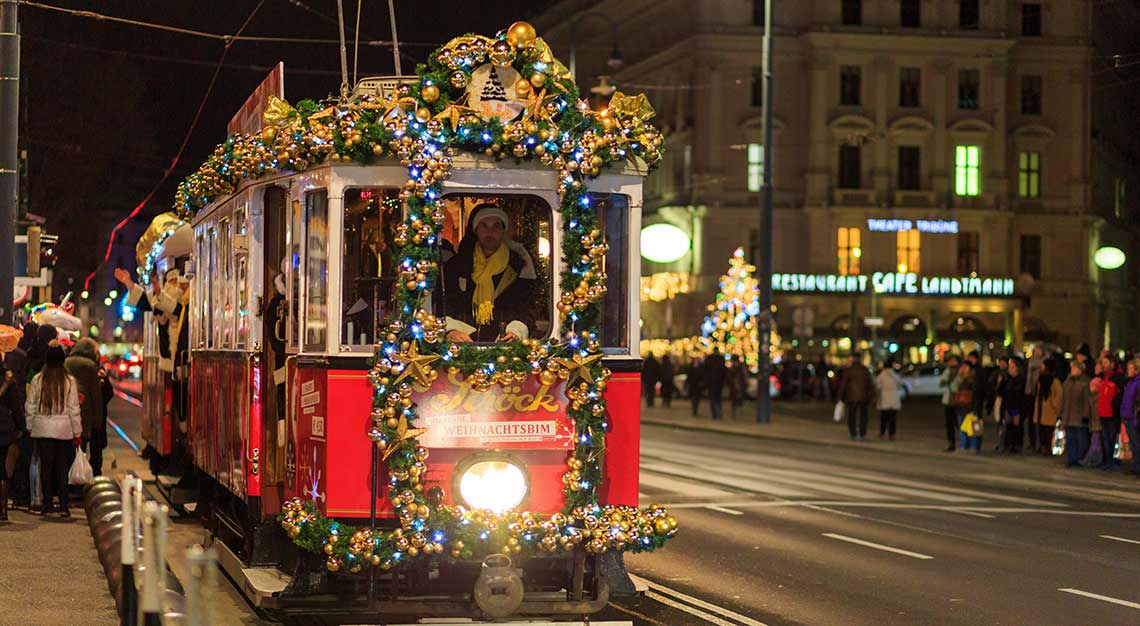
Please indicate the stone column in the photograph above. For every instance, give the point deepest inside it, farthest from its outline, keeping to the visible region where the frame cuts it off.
(823, 93)
(938, 160)
(994, 164)
(880, 147)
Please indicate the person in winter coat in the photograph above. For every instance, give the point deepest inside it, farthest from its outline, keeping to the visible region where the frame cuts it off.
(695, 382)
(83, 365)
(1046, 406)
(19, 363)
(1129, 406)
(667, 373)
(890, 403)
(1076, 413)
(650, 373)
(1012, 394)
(1033, 368)
(1108, 399)
(950, 413)
(56, 424)
(11, 429)
(962, 396)
(857, 391)
(715, 374)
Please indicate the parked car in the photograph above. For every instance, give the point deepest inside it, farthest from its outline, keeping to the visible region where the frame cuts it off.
(923, 380)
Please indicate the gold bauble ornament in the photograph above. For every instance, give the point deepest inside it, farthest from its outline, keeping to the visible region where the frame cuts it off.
(430, 93)
(459, 80)
(521, 35)
(522, 88)
(501, 54)
(423, 114)
(538, 79)
(661, 525)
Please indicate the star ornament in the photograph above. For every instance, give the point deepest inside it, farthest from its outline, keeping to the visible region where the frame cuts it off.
(579, 367)
(416, 366)
(454, 111)
(403, 433)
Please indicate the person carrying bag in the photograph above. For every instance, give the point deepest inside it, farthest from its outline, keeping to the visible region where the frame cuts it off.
(53, 417)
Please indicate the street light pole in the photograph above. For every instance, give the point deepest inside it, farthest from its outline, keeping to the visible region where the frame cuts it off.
(9, 156)
(764, 262)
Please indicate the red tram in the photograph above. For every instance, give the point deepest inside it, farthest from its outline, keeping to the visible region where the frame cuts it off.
(328, 357)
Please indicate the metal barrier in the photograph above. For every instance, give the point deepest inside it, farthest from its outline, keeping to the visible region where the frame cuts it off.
(130, 539)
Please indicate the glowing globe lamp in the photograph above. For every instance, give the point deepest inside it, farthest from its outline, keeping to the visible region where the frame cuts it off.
(663, 243)
(1109, 258)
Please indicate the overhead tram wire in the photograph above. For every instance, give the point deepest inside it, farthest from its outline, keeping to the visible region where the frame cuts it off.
(181, 149)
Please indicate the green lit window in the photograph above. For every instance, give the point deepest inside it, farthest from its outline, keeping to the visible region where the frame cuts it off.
(1029, 175)
(755, 166)
(966, 170)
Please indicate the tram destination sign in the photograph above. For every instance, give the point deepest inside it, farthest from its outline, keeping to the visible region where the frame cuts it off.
(896, 284)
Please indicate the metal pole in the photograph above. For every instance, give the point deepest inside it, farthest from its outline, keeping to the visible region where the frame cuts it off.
(200, 585)
(129, 610)
(9, 154)
(344, 86)
(763, 399)
(574, 49)
(395, 38)
(373, 492)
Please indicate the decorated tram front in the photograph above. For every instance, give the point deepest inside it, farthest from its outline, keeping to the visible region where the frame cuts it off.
(413, 338)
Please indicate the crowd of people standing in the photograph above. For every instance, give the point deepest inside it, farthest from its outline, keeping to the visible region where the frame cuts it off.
(704, 377)
(53, 401)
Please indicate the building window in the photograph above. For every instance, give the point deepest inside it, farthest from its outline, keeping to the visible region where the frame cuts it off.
(968, 15)
(966, 170)
(849, 251)
(1031, 20)
(757, 12)
(757, 86)
(850, 85)
(1031, 255)
(755, 166)
(907, 251)
(850, 166)
(1029, 175)
(852, 12)
(1031, 94)
(968, 89)
(909, 167)
(910, 13)
(967, 253)
(910, 84)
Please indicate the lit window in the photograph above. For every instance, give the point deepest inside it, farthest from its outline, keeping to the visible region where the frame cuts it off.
(966, 170)
(1029, 175)
(908, 249)
(849, 251)
(755, 166)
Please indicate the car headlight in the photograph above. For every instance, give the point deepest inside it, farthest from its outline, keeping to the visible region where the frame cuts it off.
(494, 483)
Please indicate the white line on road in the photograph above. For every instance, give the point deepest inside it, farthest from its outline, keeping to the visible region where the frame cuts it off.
(721, 509)
(679, 485)
(1119, 539)
(662, 591)
(968, 512)
(878, 546)
(1097, 596)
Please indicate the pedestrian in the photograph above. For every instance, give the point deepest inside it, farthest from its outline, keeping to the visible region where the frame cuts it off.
(694, 382)
(737, 383)
(1084, 357)
(857, 391)
(83, 365)
(12, 427)
(650, 373)
(667, 374)
(1046, 406)
(1012, 392)
(1076, 413)
(950, 414)
(35, 344)
(1108, 399)
(962, 396)
(56, 425)
(715, 374)
(890, 401)
(1033, 369)
(997, 378)
(1129, 409)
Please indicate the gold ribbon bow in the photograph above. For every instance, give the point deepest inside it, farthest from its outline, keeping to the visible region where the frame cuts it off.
(279, 114)
(635, 107)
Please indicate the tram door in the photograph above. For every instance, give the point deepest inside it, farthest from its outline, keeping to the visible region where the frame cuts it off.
(274, 331)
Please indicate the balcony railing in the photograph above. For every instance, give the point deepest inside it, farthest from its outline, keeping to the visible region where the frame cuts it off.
(914, 198)
(980, 201)
(853, 197)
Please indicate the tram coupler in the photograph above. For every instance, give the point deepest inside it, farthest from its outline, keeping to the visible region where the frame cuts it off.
(499, 589)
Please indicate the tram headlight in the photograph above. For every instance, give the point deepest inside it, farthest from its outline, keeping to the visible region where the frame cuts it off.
(493, 483)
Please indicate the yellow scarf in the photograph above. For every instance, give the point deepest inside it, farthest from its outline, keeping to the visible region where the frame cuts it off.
(484, 269)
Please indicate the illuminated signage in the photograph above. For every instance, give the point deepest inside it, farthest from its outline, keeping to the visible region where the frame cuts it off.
(663, 243)
(894, 284)
(1109, 258)
(923, 226)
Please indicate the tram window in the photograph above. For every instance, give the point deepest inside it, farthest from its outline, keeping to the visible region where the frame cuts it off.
(201, 301)
(613, 221)
(296, 237)
(241, 277)
(519, 294)
(225, 284)
(211, 286)
(316, 270)
(369, 272)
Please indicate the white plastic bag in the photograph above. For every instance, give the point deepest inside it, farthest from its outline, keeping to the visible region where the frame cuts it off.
(81, 472)
(840, 411)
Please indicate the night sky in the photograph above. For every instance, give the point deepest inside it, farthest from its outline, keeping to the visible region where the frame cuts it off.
(107, 105)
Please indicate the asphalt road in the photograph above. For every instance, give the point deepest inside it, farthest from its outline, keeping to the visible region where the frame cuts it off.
(779, 532)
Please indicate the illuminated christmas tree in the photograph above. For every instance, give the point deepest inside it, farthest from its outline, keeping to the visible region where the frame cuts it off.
(731, 326)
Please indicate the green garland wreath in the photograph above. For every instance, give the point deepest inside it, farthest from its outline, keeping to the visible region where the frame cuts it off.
(424, 125)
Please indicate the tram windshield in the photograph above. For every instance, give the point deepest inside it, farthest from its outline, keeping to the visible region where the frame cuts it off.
(495, 251)
(370, 219)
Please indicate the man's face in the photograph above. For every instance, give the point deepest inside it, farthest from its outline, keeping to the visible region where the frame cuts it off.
(490, 233)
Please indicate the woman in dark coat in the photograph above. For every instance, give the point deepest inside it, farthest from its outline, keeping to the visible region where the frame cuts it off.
(1012, 394)
(83, 364)
(11, 429)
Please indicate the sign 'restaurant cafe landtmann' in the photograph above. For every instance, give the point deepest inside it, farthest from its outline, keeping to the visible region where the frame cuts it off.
(895, 284)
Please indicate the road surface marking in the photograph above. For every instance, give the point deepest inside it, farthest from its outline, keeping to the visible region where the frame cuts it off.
(1097, 596)
(967, 512)
(856, 486)
(672, 469)
(878, 546)
(674, 598)
(118, 429)
(721, 509)
(1119, 539)
(685, 487)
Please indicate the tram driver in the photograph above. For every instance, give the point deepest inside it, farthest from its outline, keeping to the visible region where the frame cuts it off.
(488, 285)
